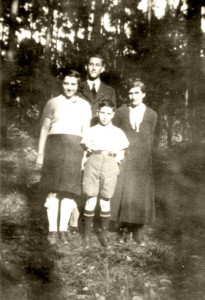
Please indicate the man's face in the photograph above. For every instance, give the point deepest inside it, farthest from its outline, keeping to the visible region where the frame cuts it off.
(136, 96)
(105, 115)
(94, 68)
(70, 86)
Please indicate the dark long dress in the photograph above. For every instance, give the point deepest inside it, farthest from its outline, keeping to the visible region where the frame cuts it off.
(133, 201)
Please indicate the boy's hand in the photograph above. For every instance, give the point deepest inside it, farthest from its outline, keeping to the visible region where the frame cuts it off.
(119, 157)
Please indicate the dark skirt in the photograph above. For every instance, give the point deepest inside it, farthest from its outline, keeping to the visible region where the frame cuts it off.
(61, 171)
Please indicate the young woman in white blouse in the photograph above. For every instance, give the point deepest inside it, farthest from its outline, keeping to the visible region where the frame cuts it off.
(66, 118)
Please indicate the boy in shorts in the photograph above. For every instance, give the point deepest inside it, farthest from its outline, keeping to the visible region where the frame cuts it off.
(104, 144)
(93, 90)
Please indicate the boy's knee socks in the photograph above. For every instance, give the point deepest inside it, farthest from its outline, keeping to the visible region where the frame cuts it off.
(104, 223)
(87, 227)
(104, 208)
(90, 207)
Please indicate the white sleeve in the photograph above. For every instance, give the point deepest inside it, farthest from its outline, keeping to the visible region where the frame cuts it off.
(124, 143)
(86, 140)
(87, 115)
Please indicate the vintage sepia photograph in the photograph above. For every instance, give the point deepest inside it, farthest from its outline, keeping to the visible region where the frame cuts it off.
(102, 157)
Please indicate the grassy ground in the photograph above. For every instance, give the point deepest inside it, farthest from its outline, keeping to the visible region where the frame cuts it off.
(171, 266)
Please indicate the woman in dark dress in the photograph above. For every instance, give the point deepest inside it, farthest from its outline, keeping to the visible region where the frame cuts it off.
(66, 118)
(133, 203)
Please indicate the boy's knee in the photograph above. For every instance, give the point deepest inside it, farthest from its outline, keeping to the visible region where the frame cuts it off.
(105, 205)
(90, 204)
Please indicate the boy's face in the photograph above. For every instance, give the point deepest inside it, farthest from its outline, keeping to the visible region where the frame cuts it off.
(105, 115)
(70, 86)
(136, 96)
(94, 68)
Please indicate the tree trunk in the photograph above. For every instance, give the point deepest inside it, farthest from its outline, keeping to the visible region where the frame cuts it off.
(194, 72)
(96, 36)
(8, 71)
(49, 35)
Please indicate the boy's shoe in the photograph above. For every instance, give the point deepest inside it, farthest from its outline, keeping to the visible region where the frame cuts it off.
(63, 235)
(102, 238)
(86, 242)
(52, 237)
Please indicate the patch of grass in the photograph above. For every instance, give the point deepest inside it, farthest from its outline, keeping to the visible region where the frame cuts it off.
(32, 269)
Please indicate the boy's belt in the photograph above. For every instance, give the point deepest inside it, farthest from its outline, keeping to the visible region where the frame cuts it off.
(104, 152)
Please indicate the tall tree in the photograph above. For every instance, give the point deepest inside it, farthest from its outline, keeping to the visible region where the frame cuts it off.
(8, 68)
(195, 78)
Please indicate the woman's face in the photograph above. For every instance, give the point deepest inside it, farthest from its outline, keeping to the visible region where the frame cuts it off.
(70, 86)
(136, 96)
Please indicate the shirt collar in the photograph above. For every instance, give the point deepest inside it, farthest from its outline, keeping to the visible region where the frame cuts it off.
(96, 82)
(105, 127)
(74, 99)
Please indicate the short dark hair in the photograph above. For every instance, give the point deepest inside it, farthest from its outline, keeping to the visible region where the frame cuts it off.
(107, 103)
(97, 55)
(135, 82)
(72, 73)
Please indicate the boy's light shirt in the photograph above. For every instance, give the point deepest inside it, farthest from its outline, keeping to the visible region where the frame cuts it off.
(108, 138)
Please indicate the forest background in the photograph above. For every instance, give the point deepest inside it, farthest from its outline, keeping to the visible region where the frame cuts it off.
(160, 41)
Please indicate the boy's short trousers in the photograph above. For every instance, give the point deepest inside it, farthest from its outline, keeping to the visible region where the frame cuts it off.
(100, 176)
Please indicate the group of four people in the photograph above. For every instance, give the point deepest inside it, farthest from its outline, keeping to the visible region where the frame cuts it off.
(109, 162)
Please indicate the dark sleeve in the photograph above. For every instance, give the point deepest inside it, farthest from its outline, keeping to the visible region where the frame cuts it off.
(117, 119)
(153, 126)
(113, 96)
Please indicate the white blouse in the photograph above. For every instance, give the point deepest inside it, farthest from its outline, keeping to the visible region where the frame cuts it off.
(68, 116)
(136, 116)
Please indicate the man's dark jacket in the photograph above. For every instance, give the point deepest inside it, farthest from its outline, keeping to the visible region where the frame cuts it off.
(105, 92)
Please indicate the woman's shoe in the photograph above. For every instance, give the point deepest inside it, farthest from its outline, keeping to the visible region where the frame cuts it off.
(63, 235)
(128, 237)
(52, 237)
(73, 230)
(121, 236)
(138, 237)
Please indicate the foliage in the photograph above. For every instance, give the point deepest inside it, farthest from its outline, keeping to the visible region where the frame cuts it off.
(160, 50)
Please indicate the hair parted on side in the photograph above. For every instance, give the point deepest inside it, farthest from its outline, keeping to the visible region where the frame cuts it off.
(97, 55)
(135, 82)
(107, 103)
(72, 73)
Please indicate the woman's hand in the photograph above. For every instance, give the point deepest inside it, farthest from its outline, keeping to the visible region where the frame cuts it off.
(42, 141)
(39, 161)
